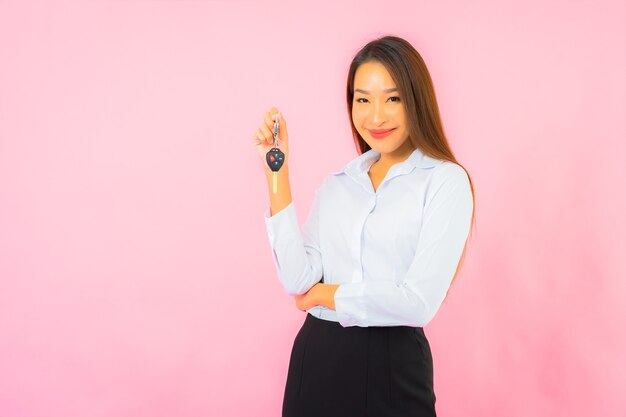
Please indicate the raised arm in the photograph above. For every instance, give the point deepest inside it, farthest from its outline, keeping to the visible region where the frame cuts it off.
(297, 255)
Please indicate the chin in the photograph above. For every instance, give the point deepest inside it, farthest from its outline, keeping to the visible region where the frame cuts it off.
(382, 147)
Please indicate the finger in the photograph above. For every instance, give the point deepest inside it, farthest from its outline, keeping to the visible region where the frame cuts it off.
(266, 140)
(273, 112)
(267, 134)
(258, 137)
(268, 118)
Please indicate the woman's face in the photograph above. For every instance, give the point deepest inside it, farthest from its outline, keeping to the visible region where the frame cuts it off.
(377, 105)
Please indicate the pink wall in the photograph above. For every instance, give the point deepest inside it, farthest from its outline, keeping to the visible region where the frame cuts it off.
(135, 273)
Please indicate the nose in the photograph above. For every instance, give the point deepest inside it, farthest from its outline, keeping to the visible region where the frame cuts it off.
(378, 114)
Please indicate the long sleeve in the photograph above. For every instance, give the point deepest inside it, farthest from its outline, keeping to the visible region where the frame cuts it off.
(297, 255)
(416, 298)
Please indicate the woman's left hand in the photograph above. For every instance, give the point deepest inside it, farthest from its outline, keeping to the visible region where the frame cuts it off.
(308, 299)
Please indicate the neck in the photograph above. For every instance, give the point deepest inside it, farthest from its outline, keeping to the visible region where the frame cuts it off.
(391, 158)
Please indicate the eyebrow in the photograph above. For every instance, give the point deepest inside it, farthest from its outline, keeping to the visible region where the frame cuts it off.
(389, 90)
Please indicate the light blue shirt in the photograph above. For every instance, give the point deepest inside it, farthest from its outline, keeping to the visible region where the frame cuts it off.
(393, 250)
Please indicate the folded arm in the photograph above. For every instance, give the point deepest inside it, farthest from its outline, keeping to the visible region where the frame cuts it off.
(415, 300)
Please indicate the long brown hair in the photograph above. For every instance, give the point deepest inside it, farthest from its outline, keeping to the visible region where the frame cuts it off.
(415, 86)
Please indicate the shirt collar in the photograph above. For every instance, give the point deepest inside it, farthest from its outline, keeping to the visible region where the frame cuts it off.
(362, 163)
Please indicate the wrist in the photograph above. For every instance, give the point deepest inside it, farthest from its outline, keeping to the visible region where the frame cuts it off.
(325, 295)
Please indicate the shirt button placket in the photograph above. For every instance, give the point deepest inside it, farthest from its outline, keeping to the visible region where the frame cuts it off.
(357, 276)
(356, 250)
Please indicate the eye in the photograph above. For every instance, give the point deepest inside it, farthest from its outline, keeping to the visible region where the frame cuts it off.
(358, 100)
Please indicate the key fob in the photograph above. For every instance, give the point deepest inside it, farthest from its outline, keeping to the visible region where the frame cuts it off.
(275, 158)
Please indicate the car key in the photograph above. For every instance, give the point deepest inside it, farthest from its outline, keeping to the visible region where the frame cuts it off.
(275, 158)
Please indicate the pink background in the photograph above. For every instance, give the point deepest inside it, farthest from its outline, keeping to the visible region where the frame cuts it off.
(135, 271)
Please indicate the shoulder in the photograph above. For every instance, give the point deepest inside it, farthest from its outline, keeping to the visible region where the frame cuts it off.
(327, 182)
(324, 184)
(449, 172)
(449, 180)
(333, 186)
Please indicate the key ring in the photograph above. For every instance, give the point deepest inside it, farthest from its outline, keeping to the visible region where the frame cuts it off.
(276, 132)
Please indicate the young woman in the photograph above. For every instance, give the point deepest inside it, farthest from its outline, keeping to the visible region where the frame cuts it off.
(379, 249)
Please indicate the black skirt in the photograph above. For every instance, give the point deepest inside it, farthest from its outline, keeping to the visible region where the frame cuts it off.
(359, 371)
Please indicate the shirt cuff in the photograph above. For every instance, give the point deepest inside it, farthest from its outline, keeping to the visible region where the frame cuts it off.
(282, 227)
(349, 304)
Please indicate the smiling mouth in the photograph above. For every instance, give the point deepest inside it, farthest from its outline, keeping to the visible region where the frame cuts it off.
(379, 131)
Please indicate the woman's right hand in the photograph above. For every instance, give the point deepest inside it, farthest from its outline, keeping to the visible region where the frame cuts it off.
(264, 138)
